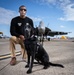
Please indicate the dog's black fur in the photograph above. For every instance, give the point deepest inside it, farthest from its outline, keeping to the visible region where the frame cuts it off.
(35, 50)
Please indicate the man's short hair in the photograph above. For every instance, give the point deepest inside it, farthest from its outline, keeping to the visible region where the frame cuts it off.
(21, 6)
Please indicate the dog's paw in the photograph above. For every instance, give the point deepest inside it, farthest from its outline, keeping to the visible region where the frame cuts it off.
(26, 66)
(29, 71)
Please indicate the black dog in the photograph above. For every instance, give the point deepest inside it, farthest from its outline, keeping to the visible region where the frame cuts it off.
(35, 50)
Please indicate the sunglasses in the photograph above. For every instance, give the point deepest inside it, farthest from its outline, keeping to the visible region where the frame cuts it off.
(23, 9)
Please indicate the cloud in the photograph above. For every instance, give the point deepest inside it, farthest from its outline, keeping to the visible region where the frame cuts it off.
(6, 16)
(68, 13)
(62, 26)
(36, 19)
(53, 2)
(43, 2)
(66, 5)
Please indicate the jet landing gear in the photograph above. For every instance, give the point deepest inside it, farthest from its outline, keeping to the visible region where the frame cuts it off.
(48, 39)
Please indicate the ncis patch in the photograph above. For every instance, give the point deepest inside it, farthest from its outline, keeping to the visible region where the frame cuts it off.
(19, 24)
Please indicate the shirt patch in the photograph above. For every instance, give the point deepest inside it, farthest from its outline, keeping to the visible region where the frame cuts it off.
(27, 23)
(19, 24)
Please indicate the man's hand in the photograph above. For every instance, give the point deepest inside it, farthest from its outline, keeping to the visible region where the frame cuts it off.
(22, 37)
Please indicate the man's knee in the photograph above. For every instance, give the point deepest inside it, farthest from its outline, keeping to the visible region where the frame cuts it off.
(13, 38)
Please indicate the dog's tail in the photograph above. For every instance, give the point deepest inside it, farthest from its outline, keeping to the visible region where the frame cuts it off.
(57, 65)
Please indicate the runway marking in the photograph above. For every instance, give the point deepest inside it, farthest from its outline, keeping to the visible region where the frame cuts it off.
(5, 56)
(4, 66)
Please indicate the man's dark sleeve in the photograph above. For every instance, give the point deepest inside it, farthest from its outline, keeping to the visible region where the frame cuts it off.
(13, 28)
(31, 22)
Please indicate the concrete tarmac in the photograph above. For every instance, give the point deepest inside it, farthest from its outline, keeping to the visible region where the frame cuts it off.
(59, 51)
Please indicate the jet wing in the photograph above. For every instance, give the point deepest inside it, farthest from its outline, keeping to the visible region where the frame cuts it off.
(53, 33)
(48, 32)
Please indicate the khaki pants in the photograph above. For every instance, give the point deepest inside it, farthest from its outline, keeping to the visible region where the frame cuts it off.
(13, 41)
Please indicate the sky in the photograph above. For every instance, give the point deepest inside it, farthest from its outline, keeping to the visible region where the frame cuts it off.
(58, 15)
